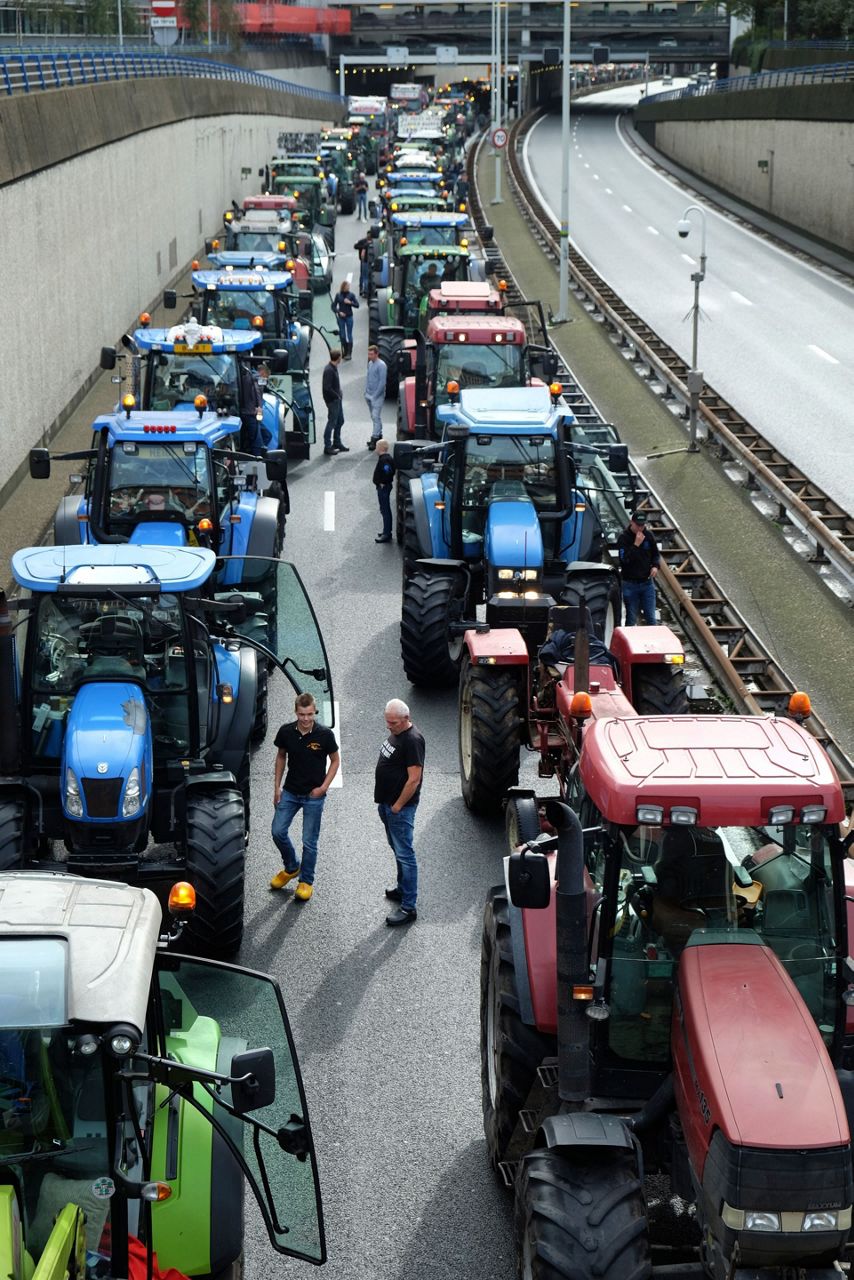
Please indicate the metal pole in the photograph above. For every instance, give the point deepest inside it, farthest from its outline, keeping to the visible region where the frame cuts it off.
(209, 24)
(565, 142)
(695, 376)
(496, 49)
(646, 74)
(121, 32)
(341, 74)
(507, 63)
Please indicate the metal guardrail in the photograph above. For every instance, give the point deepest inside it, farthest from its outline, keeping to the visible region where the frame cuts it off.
(827, 73)
(35, 72)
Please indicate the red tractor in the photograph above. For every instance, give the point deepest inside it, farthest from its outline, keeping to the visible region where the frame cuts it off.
(664, 994)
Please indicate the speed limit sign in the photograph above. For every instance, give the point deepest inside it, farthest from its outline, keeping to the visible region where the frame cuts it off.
(499, 137)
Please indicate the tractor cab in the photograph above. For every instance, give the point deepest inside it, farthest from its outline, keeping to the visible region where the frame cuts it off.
(433, 227)
(313, 206)
(418, 270)
(265, 301)
(142, 1091)
(258, 228)
(411, 199)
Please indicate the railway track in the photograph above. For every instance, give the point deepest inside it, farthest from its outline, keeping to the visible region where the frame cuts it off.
(817, 526)
(745, 674)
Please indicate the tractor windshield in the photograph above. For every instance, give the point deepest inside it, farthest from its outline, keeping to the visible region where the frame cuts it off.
(178, 379)
(506, 466)
(676, 881)
(478, 366)
(430, 235)
(157, 482)
(74, 640)
(237, 308)
(253, 241)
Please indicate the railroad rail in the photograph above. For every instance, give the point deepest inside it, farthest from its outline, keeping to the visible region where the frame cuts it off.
(746, 456)
(743, 670)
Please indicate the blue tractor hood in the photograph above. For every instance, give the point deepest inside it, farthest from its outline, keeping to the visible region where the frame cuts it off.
(513, 538)
(107, 751)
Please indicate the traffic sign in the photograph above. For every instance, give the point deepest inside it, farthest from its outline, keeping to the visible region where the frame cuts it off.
(163, 8)
(499, 137)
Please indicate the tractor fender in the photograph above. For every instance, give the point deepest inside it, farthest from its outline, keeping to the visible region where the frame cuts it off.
(501, 647)
(634, 645)
(444, 568)
(263, 535)
(68, 531)
(232, 721)
(393, 330)
(422, 520)
(588, 1129)
(209, 781)
(589, 566)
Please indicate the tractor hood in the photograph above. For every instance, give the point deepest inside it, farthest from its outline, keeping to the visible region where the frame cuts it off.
(513, 539)
(157, 533)
(108, 750)
(749, 1060)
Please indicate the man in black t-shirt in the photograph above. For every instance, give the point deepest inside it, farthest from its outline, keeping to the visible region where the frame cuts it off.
(304, 747)
(397, 789)
(639, 561)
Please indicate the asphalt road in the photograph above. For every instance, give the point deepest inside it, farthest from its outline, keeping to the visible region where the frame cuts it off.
(385, 1020)
(774, 335)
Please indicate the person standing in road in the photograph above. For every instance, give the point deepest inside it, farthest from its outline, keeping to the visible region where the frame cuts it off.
(639, 561)
(310, 753)
(360, 186)
(343, 305)
(375, 381)
(384, 478)
(397, 790)
(334, 401)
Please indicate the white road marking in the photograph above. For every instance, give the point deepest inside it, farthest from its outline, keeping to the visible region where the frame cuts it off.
(338, 780)
(739, 297)
(329, 511)
(653, 231)
(823, 354)
(686, 257)
(587, 166)
(596, 177)
(628, 208)
(608, 191)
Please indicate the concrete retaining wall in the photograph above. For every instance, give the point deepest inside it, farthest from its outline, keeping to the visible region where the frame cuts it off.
(92, 241)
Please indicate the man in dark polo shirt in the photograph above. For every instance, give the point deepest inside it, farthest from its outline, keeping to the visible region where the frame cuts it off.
(397, 789)
(305, 747)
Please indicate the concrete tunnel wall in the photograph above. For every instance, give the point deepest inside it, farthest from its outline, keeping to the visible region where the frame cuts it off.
(99, 218)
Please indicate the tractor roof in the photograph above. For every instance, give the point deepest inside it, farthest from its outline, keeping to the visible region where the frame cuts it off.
(465, 296)
(249, 258)
(433, 251)
(429, 218)
(267, 201)
(505, 410)
(196, 339)
(110, 936)
(414, 177)
(111, 567)
(414, 199)
(732, 769)
(479, 328)
(147, 427)
(243, 281)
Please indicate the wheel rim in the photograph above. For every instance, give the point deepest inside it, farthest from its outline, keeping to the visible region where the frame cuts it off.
(465, 731)
(609, 623)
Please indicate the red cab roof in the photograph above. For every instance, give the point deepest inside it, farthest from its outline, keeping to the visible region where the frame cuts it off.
(476, 328)
(732, 769)
(269, 202)
(466, 295)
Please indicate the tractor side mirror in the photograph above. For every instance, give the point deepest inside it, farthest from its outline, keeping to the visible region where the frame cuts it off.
(170, 299)
(279, 361)
(529, 880)
(404, 363)
(39, 464)
(487, 234)
(542, 363)
(404, 456)
(618, 457)
(108, 357)
(209, 246)
(374, 230)
(258, 1089)
(276, 463)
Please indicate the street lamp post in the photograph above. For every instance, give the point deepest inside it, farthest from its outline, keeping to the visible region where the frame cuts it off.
(120, 32)
(563, 279)
(695, 376)
(496, 91)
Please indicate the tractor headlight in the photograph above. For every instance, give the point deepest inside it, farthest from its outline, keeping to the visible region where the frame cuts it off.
(73, 801)
(761, 1220)
(825, 1220)
(132, 800)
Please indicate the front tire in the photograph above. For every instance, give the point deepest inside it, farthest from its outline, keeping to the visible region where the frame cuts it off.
(431, 604)
(390, 344)
(511, 1051)
(659, 690)
(215, 860)
(373, 322)
(602, 594)
(489, 738)
(13, 817)
(581, 1218)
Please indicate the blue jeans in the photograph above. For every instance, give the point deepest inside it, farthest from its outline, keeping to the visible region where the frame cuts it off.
(364, 276)
(375, 408)
(312, 811)
(345, 331)
(639, 596)
(384, 496)
(334, 423)
(400, 829)
(361, 204)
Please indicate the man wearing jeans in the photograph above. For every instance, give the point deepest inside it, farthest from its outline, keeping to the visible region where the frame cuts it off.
(639, 560)
(397, 788)
(304, 746)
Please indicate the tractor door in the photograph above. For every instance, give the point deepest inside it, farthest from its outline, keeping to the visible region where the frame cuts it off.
(208, 1014)
(531, 315)
(294, 390)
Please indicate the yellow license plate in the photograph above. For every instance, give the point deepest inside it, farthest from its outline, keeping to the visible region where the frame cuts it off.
(201, 348)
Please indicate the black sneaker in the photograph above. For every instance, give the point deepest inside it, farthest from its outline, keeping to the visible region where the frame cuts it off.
(329, 452)
(372, 444)
(341, 448)
(394, 895)
(384, 537)
(401, 916)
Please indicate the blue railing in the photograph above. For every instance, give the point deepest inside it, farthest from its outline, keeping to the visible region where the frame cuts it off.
(32, 72)
(830, 73)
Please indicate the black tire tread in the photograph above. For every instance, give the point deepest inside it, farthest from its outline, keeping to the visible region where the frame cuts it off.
(492, 694)
(215, 863)
(600, 591)
(12, 838)
(659, 690)
(424, 641)
(389, 344)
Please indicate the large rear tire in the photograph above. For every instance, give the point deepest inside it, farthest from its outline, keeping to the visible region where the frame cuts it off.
(373, 322)
(215, 860)
(390, 344)
(13, 817)
(602, 594)
(409, 534)
(489, 738)
(511, 1051)
(260, 720)
(582, 1218)
(432, 602)
(659, 690)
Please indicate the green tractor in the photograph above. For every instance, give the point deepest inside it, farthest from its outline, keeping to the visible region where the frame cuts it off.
(141, 1090)
(313, 206)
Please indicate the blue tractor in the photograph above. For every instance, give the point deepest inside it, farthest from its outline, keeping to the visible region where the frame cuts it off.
(128, 704)
(496, 522)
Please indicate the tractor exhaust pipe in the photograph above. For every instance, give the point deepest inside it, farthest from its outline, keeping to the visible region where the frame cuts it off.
(10, 728)
(573, 1025)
